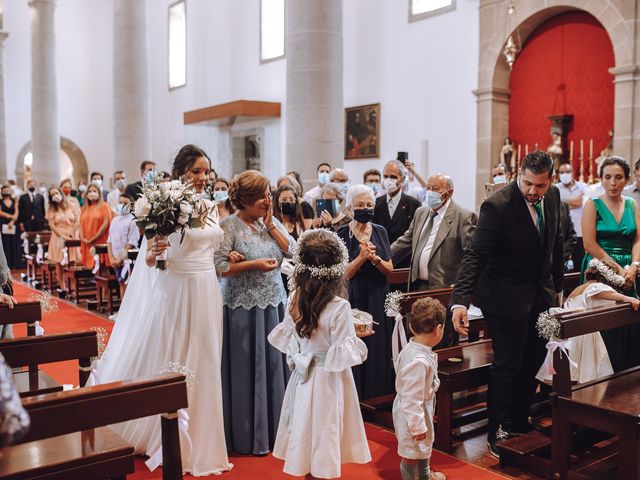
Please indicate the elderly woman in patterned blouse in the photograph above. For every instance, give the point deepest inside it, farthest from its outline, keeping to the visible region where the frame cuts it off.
(253, 373)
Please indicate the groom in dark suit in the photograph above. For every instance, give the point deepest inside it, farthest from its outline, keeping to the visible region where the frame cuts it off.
(513, 270)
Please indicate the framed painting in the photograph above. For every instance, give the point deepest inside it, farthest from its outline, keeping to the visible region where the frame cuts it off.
(362, 131)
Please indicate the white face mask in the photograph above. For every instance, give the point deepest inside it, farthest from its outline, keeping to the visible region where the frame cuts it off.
(93, 196)
(121, 184)
(500, 179)
(390, 185)
(434, 199)
(97, 181)
(566, 178)
(57, 198)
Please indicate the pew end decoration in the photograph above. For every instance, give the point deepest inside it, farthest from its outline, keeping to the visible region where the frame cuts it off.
(48, 305)
(392, 306)
(168, 207)
(549, 328)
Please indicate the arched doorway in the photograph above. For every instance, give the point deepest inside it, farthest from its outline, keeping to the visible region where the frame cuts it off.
(563, 69)
(493, 92)
(72, 159)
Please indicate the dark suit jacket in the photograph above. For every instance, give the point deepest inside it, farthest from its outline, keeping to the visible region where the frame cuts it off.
(402, 217)
(31, 214)
(568, 231)
(507, 270)
(453, 236)
(134, 190)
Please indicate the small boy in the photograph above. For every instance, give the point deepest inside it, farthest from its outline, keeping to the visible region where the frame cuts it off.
(416, 385)
(123, 236)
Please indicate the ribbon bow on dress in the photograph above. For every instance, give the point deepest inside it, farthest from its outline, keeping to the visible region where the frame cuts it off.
(300, 363)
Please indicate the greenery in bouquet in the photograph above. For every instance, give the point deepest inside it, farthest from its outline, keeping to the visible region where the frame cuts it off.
(169, 207)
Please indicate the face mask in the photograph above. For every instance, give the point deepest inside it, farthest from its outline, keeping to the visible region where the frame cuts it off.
(57, 198)
(342, 188)
(32, 189)
(67, 191)
(93, 196)
(97, 181)
(121, 184)
(566, 178)
(323, 178)
(149, 176)
(434, 199)
(363, 215)
(220, 195)
(498, 179)
(122, 209)
(6, 194)
(374, 186)
(82, 188)
(389, 185)
(288, 209)
(42, 190)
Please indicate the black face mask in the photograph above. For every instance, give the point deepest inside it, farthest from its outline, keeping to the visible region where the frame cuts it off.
(32, 189)
(363, 215)
(6, 195)
(288, 209)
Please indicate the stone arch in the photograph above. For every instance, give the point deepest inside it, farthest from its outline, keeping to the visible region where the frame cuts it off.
(75, 154)
(616, 16)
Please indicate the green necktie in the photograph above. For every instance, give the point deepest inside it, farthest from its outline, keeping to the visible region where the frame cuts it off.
(538, 207)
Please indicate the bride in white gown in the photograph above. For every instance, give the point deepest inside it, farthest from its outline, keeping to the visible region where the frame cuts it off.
(175, 317)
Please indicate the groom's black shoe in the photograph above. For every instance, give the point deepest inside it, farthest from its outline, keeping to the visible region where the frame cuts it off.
(494, 439)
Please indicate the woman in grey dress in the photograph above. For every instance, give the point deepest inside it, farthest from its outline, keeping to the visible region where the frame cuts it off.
(254, 374)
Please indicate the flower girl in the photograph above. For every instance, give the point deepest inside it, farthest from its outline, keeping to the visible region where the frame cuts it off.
(416, 383)
(320, 425)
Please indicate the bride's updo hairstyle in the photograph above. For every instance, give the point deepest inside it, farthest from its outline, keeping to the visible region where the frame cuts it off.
(320, 261)
(185, 159)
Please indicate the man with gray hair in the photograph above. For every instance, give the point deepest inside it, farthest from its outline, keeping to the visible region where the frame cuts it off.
(436, 239)
(395, 210)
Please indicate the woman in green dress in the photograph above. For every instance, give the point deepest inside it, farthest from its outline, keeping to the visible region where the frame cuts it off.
(610, 230)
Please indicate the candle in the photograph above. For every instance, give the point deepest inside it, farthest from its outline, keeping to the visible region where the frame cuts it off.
(581, 149)
(571, 152)
(526, 149)
(590, 149)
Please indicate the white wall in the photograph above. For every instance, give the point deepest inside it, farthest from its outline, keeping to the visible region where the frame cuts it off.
(422, 74)
(84, 60)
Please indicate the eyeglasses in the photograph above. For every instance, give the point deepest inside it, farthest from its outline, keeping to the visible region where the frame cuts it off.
(363, 205)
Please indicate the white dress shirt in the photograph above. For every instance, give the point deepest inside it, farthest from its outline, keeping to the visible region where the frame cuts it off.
(425, 255)
(392, 203)
(113, 199)
(534, 212)
(571, 192)
(312, 194)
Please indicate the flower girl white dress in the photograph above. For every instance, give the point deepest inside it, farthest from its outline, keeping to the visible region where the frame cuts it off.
(175, 318)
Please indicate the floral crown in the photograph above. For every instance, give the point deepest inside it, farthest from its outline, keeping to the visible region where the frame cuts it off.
(609, 275)
(324, 272)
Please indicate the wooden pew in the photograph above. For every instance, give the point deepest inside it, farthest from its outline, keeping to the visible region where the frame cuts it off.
(34, 274)
(69, 437)
(79, 280)
(34, 351)
(603, 408)
(25, 312)
(570, 282)
(106, 284)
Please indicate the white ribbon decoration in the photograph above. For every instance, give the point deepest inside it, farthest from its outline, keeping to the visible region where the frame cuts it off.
(96, 267)
(398, 336)
(552, 345)
(40, 254)
(25, 246)
(155, 459)
(65, 257)
(125, 274)
(39, 329)
(300, 364)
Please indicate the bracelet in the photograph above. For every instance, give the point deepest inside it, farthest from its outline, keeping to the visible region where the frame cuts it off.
(271, 228)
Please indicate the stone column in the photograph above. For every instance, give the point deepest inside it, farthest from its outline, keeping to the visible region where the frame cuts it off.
(314, 105)
(45, 140)
(3, 133)
(626, 114)
(131, 97)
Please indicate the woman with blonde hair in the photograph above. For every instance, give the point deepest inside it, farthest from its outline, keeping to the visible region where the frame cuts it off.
(94, 224)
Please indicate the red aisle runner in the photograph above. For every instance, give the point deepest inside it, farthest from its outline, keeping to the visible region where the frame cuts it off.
(385, 464)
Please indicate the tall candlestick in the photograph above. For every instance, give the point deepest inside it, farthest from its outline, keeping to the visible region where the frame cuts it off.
(518, 159)
(526, 149)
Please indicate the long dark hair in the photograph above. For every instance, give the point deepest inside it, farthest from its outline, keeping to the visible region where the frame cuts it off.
(277, 210)
(317, 248)
(185, 159)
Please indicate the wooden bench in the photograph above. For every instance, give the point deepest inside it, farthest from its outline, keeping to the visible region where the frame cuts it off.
(69, 437)
(34, 267)
(471, 369)
(570, 282)
(79, 280)
(34, 351)
(603, 408)
(106, 284)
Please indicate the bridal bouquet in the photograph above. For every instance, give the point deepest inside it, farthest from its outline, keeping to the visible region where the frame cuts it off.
(168, 207)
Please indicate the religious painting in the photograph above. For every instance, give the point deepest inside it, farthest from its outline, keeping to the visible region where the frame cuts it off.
(362, 131)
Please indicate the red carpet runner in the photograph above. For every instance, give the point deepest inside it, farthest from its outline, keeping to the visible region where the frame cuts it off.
(382, 443)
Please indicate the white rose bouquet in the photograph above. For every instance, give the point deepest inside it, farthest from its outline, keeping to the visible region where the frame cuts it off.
(168, 207)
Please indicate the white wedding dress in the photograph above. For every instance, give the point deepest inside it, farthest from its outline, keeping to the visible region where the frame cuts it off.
(175, 317)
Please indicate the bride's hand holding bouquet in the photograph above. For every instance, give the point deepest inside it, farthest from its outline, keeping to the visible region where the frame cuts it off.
(165, 208)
